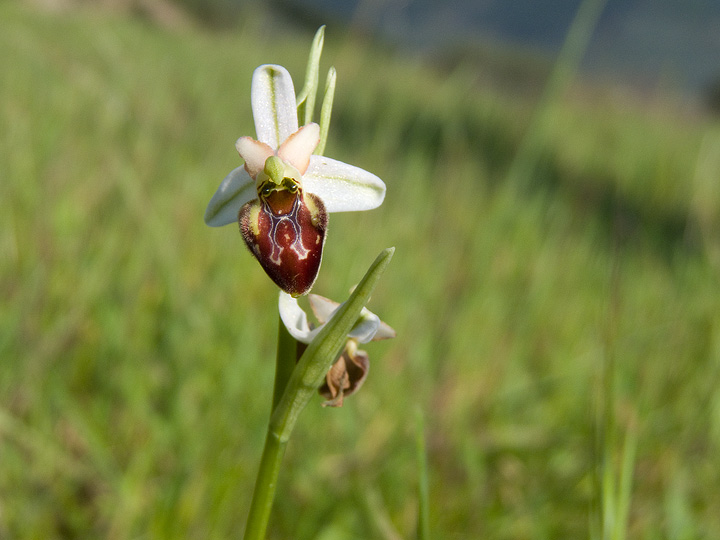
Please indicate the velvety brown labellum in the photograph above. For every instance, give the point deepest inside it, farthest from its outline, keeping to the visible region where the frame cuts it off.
(286, 233)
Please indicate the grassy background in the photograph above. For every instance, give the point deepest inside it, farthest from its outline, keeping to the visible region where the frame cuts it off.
(539, 320)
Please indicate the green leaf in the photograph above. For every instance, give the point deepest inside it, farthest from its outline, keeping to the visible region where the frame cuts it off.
(423, 480)
(326, 110)
(306, 97)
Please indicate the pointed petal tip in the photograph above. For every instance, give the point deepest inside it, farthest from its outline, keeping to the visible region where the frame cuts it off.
(384, 332)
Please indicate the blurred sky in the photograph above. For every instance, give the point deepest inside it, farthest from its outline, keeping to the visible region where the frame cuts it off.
(673, 43)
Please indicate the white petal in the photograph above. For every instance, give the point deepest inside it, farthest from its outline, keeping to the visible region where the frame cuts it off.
(299, 146)
(237, 189)
(343, 187)
(273, 104)
(295, 319)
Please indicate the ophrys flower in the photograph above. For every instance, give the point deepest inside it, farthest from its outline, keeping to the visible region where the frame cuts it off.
(282, 194)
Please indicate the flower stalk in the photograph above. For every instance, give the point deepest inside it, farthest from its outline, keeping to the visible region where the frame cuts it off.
(280, 198)
(301, 385)
(320, 354)
(274, 449)
(284, 362)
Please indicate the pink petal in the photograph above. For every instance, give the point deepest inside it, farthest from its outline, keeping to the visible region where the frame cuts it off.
(254, 153)
(299, 146)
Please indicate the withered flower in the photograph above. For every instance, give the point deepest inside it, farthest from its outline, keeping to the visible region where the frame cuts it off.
(350, 370)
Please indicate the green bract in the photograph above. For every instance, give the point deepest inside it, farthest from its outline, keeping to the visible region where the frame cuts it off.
(347, 374)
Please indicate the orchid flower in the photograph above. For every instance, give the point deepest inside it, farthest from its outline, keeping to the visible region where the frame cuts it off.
(282, 194)
(350, 370)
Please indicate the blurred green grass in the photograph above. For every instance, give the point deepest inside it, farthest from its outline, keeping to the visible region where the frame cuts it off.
(137, 344)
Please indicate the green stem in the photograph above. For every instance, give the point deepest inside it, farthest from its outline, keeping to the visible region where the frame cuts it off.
(423, 481)
(274, 450)
(566, 65)
(284, 362)
(265, 485)
(299, 384)
(320, 354)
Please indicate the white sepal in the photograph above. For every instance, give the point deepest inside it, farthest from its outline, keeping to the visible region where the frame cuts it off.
(343, 187)
(295, 319)
(273, 104)
(235, 190)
